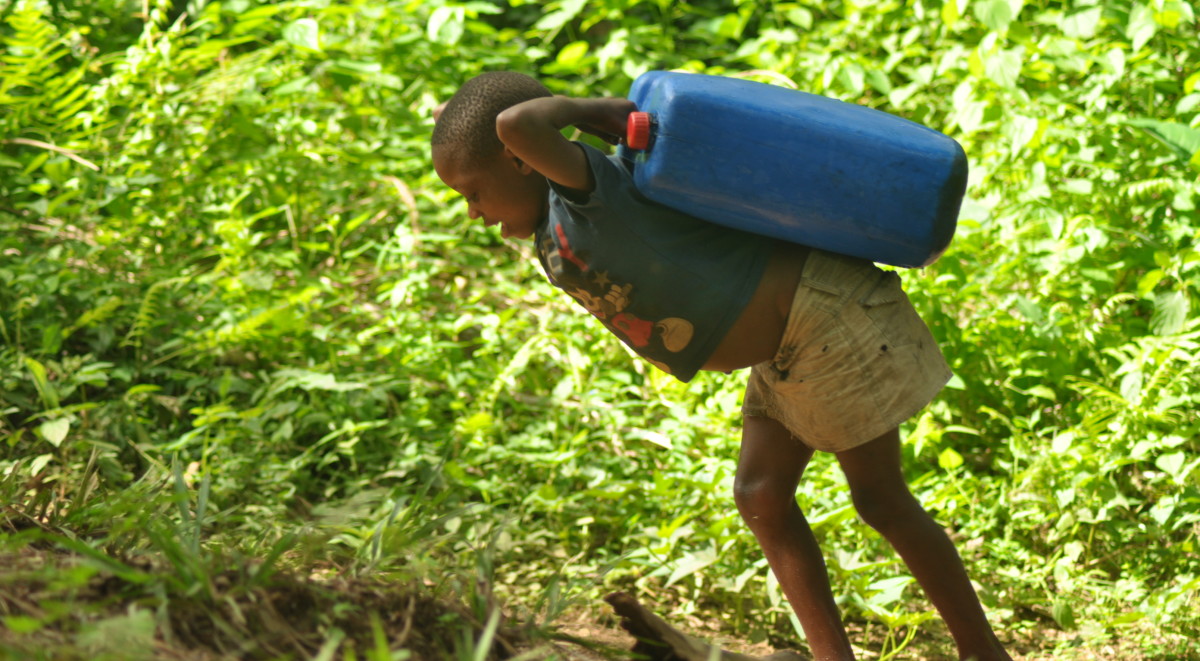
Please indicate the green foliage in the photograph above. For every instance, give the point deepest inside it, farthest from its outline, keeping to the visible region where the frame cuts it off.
(241, 318)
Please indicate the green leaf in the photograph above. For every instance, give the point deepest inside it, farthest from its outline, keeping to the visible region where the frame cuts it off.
(1131, 386)
(889, 590)
(555, 20)
(1141, 27)
(1063, 614)
(995, 14)
(851, 78)
(1174, 12)
(572, 53)
(1182, 139)
(1170, 312)
(949, 459)
(1171, 464)
(803, 17)
(1079, 186)
(54, 431)
(1082, 24)
(303, 33)
(445, 25)
(692, 563)
(39, 462)
(1149, 281)
(952, 10)
(878, 81)
(19, 624)
(1004, 67)
(1062, 442)
(129, 636)
(47, 392)
(1163, 509)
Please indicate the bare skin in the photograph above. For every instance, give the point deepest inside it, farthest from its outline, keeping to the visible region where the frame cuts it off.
(770, 466)
(755, 336)
(510, 190)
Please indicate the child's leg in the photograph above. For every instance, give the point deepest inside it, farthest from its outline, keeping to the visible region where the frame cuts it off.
(883, 500)
(769, 468)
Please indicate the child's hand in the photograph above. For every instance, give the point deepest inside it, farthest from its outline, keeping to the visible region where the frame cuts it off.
(607, 118)
(610, 138)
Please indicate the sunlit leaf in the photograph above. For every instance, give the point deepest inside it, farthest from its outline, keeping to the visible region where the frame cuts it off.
(1171, 464)
(692, 563)
(40, 462)
(1182, 139)
(572, 53)
(21, 624)
(1004, 66)
(446, 24)
(1082, 24)
(54, 431)
(995, 14)
(1170, 312)
(1063, 614)
(950, 459)
(303, 33)
(889, 590)
(952, 11)
(1141, 27)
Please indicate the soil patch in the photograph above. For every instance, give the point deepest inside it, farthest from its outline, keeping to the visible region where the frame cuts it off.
(64, 605)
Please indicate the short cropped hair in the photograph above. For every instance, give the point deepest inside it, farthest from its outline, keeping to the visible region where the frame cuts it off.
(468, 122)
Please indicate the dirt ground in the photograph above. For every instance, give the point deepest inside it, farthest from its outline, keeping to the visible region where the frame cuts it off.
(52, 610)
(932, 643)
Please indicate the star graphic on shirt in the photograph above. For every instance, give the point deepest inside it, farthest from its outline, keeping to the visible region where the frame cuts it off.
(601, 278)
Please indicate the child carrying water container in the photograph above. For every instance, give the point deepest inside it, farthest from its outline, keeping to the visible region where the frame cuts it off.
(838, 356)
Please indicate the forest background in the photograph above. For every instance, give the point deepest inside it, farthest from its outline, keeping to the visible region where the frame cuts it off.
(266, 392)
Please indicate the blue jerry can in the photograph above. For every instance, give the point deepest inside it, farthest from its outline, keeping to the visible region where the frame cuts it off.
(796, 166)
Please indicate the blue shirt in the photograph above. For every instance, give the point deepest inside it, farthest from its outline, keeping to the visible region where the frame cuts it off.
(669, 285)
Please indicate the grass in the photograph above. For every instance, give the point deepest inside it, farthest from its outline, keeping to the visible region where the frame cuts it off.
(264, 394)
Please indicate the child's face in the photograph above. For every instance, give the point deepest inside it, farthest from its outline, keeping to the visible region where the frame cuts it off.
(502, 190)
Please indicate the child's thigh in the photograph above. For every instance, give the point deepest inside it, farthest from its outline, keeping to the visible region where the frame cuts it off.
(770, 458)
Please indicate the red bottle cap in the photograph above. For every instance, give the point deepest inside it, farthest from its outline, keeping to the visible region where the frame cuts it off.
(637, 133)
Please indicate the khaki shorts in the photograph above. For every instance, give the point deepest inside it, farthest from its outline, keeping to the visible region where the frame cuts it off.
(855, 361)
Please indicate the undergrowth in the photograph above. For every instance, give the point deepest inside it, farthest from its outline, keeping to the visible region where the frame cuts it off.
(265, 390)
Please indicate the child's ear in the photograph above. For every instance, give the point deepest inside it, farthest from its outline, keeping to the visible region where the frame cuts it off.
(522, 166)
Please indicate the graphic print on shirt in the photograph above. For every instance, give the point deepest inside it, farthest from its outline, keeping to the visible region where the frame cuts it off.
(608, 301)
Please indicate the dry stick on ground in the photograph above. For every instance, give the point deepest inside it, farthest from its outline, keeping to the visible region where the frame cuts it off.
(659, 641)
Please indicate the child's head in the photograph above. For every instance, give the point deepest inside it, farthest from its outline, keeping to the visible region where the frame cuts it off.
(470, 158)
(467, 123)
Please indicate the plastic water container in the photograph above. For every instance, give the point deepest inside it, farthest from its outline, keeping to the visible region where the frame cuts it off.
(796, 166)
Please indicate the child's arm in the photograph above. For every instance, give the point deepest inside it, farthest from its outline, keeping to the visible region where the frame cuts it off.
(531, 131)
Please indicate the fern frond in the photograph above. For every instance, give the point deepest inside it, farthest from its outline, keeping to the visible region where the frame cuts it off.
(248, 329)
(1177, 361)
(1147, 189)
(41, 92)
(1109, 309)
(147, 312)
(95, 315)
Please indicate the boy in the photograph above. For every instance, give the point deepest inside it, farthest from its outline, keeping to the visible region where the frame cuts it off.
(838, 356)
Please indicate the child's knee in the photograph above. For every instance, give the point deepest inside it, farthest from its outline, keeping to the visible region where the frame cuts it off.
(761, 498)
(883, 507)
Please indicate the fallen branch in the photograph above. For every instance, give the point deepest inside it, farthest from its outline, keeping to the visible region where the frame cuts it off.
(54, 148)
(659, 641)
